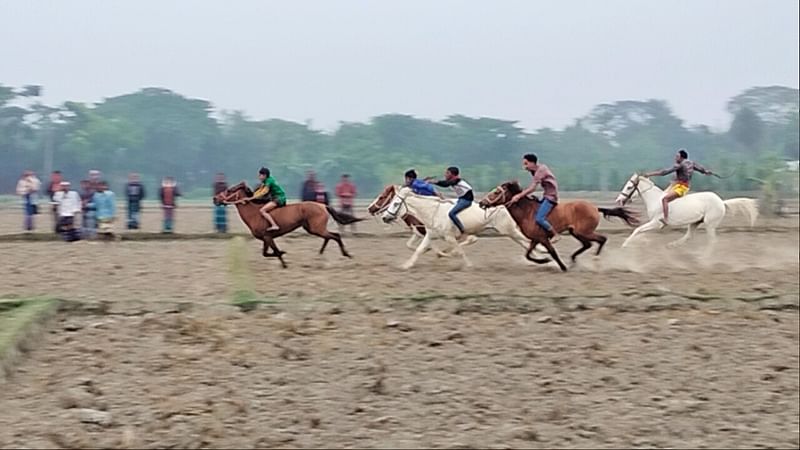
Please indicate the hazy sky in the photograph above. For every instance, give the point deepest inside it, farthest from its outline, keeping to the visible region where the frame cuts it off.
(543, 63)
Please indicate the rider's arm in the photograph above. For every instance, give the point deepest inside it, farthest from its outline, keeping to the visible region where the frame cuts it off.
(702, 169)
(662, 172)
(531, 187)
(445, 183)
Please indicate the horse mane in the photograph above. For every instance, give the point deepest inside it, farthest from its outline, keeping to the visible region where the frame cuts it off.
(513, 187)
(241, 185)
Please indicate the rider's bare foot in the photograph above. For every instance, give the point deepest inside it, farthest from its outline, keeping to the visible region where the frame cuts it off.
(463, 237)
(555, 238)
(663, 220)
(273, 228)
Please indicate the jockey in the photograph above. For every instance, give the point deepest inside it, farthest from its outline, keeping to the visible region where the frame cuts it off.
(541, 175)
(680, 185)
(269, 191)
(419, 187)
(452, 179)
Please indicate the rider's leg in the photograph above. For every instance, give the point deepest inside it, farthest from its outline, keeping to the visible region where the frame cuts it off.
(668, 197)
(265, 212)
(541, 218)
(461, 205)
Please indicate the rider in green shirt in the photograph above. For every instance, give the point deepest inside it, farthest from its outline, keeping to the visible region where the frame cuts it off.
(271, 192)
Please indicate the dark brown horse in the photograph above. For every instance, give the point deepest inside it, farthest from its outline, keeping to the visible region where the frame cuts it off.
(312, 216)
(579, 217)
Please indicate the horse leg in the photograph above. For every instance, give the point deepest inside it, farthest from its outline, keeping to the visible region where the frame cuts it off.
(712, 239)
(276, 252)
(528, 256)
(324, 244)
(654, 224)
(458, 250)
(552, 251)
(689, 230)
(412, 241)
(586, 244)
(426, 241)
(600, 239)
(338, 238)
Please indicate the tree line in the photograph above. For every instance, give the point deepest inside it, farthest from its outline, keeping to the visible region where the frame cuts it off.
(157, 132)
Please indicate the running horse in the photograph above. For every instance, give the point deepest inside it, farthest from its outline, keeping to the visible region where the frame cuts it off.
(312, 216)
(579, 217)
(418, 231)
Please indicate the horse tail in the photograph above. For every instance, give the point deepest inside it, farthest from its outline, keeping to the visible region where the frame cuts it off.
(748, 206)
(625, 214)
(342, 218)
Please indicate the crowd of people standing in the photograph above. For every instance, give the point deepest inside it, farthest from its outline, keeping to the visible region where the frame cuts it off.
(90, 212)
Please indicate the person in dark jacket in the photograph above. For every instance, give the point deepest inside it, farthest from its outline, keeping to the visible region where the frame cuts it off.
(134, 191)
(308, 191)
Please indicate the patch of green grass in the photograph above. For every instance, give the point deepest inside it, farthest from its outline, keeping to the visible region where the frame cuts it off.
(16, 316)
(243, 291)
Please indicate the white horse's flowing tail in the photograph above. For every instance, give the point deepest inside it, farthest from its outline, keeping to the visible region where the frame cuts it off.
(747, 206)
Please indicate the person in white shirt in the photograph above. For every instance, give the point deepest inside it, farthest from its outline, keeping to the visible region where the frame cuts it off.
(69, 205)
(28, 189)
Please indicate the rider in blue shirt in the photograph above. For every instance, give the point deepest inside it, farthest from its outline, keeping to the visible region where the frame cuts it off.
(419, 187)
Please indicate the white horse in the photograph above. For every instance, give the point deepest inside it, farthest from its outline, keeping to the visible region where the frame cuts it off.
(432, 212)
(382, 202)
(694, 209)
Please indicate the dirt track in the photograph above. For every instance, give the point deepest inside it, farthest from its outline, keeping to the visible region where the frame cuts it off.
(646, 347)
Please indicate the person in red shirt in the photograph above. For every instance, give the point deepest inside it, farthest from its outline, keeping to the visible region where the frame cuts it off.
(346, 191)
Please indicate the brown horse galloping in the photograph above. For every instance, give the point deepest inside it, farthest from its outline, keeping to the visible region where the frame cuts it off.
(312, 216)
(579, 217)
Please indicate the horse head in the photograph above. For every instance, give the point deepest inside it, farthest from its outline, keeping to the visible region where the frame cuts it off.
(500, 195)
(632, 188)
(232, 194)
(398, 200)
(382, 200)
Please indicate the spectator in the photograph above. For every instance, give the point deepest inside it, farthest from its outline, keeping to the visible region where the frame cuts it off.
(220, 213)
(134, 191)
(106, 203)
(94, 178)
(28, 189)
(89, 222)
(308, 191)
(169, 194)
(346, 191)
(52, 188)
(68, 204)
(320, 194)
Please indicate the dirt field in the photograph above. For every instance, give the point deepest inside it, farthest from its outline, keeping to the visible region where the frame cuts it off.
(643, 347)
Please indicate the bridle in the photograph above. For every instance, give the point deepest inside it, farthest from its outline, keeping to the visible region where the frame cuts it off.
(227, 195)
(396, 214)
(629, 195)
(386, 203)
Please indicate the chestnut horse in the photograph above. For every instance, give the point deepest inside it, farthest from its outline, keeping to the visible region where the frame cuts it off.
(579, 217)
(312, 216)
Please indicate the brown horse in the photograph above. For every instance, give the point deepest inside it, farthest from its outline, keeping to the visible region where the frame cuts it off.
(312, 216)
(579, 217)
